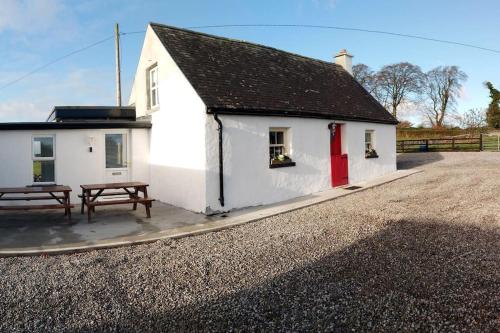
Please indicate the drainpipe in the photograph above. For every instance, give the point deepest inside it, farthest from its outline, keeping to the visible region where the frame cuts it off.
(221, 162)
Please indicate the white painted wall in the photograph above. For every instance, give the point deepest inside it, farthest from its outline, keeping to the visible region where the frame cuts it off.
(184, 146)
(74, 164)
(178, 161)
(361, 168)
(248, 181)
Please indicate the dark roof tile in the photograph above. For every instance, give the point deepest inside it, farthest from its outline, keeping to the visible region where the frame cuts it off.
(236, 77)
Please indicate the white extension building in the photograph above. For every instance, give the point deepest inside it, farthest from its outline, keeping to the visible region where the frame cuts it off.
(219, 124)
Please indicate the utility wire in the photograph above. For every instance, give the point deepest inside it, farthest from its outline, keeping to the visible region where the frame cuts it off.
(380, 32)
(8, 84)
(309, 26)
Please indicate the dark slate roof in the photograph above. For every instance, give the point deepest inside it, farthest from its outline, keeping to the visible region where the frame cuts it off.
(236, 77)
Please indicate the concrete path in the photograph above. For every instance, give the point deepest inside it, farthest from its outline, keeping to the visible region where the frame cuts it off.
(48, 232)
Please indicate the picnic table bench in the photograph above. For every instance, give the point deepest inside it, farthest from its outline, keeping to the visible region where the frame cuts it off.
(59, 193)
(91, 192)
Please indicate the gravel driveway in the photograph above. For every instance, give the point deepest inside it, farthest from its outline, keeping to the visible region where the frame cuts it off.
(419, 254)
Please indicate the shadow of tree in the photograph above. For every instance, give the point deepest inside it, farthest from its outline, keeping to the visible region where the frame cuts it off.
(413, 160)
(412, 276)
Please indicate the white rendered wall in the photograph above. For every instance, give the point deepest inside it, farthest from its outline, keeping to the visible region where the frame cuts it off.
(74, 164)
(248, 181)
(177, 153)
(361, 168)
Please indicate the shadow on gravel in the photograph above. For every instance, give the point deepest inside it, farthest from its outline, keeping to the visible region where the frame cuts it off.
(413, 160)
(413, 276)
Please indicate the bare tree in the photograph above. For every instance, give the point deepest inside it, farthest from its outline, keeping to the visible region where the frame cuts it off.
(369, 80)
(399, 83)
(473, 119)
(442, 89)
(364, 75)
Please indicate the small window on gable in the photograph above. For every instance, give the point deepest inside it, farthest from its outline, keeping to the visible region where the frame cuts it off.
(153, 98)
(279, 149)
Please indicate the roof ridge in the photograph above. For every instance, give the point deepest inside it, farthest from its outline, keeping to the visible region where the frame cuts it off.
(244, 42)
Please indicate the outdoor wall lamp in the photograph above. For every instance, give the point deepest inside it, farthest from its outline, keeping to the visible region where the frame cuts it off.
(331, 127)
(91, 141)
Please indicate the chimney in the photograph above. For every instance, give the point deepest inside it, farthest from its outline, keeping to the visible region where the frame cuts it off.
(344, 59)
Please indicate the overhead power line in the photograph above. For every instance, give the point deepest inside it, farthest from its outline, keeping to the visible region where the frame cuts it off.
(380, 32)
(307, 26)
(54, 61)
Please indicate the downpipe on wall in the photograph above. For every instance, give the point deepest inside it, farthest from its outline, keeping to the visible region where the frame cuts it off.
(221, 161)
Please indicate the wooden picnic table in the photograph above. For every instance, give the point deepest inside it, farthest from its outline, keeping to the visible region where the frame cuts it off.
(91, 192)
(31, 193)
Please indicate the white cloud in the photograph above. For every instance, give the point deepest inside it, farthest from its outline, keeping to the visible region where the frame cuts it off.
(36, 24)
(29, 16)
(34, 101)
(22, 111)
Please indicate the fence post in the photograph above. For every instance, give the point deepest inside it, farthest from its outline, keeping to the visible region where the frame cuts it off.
(480, 141)
(427, 145)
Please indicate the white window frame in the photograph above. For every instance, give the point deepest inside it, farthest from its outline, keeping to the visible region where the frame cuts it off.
(52, 158)
(285, 144)
(372, 139)
(127, 151)
(151, 73)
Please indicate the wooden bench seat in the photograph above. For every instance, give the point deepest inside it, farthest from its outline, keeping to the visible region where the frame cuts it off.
(58, 193)
(32, 207)
(120, 202)
(107, 194)
(31, 198)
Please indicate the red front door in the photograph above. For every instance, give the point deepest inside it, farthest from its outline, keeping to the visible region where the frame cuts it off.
(338, 160)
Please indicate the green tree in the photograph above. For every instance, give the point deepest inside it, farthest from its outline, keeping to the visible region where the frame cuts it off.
(493, 113)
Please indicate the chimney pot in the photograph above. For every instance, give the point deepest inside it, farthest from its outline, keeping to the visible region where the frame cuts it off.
(344, 59)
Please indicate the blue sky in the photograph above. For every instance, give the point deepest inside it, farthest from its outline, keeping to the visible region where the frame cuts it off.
(35, 32)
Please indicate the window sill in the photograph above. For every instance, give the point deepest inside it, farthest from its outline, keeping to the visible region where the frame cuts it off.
(282, 165)
(371, 156)
(152, 110)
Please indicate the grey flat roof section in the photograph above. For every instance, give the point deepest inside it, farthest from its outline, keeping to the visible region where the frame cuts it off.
(81, 113)
(73, 125)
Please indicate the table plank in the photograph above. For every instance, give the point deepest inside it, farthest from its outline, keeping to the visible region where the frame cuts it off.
(36, 189)
(112, 186)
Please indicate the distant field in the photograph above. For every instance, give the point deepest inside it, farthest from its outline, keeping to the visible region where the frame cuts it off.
(429, 133)
(491, 143)
(482, 142)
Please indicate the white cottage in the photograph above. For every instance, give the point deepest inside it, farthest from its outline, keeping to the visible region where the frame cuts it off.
(223, 111)
(219, 124)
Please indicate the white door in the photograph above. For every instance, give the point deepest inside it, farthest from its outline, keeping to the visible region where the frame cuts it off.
(116, 157)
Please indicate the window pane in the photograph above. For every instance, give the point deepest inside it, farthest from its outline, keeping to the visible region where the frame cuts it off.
(272, 138)
(43, 171)
(153, 97)
(154, 77)
(368, 136)
(43, 147)
(279, 138)
(116, 151)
